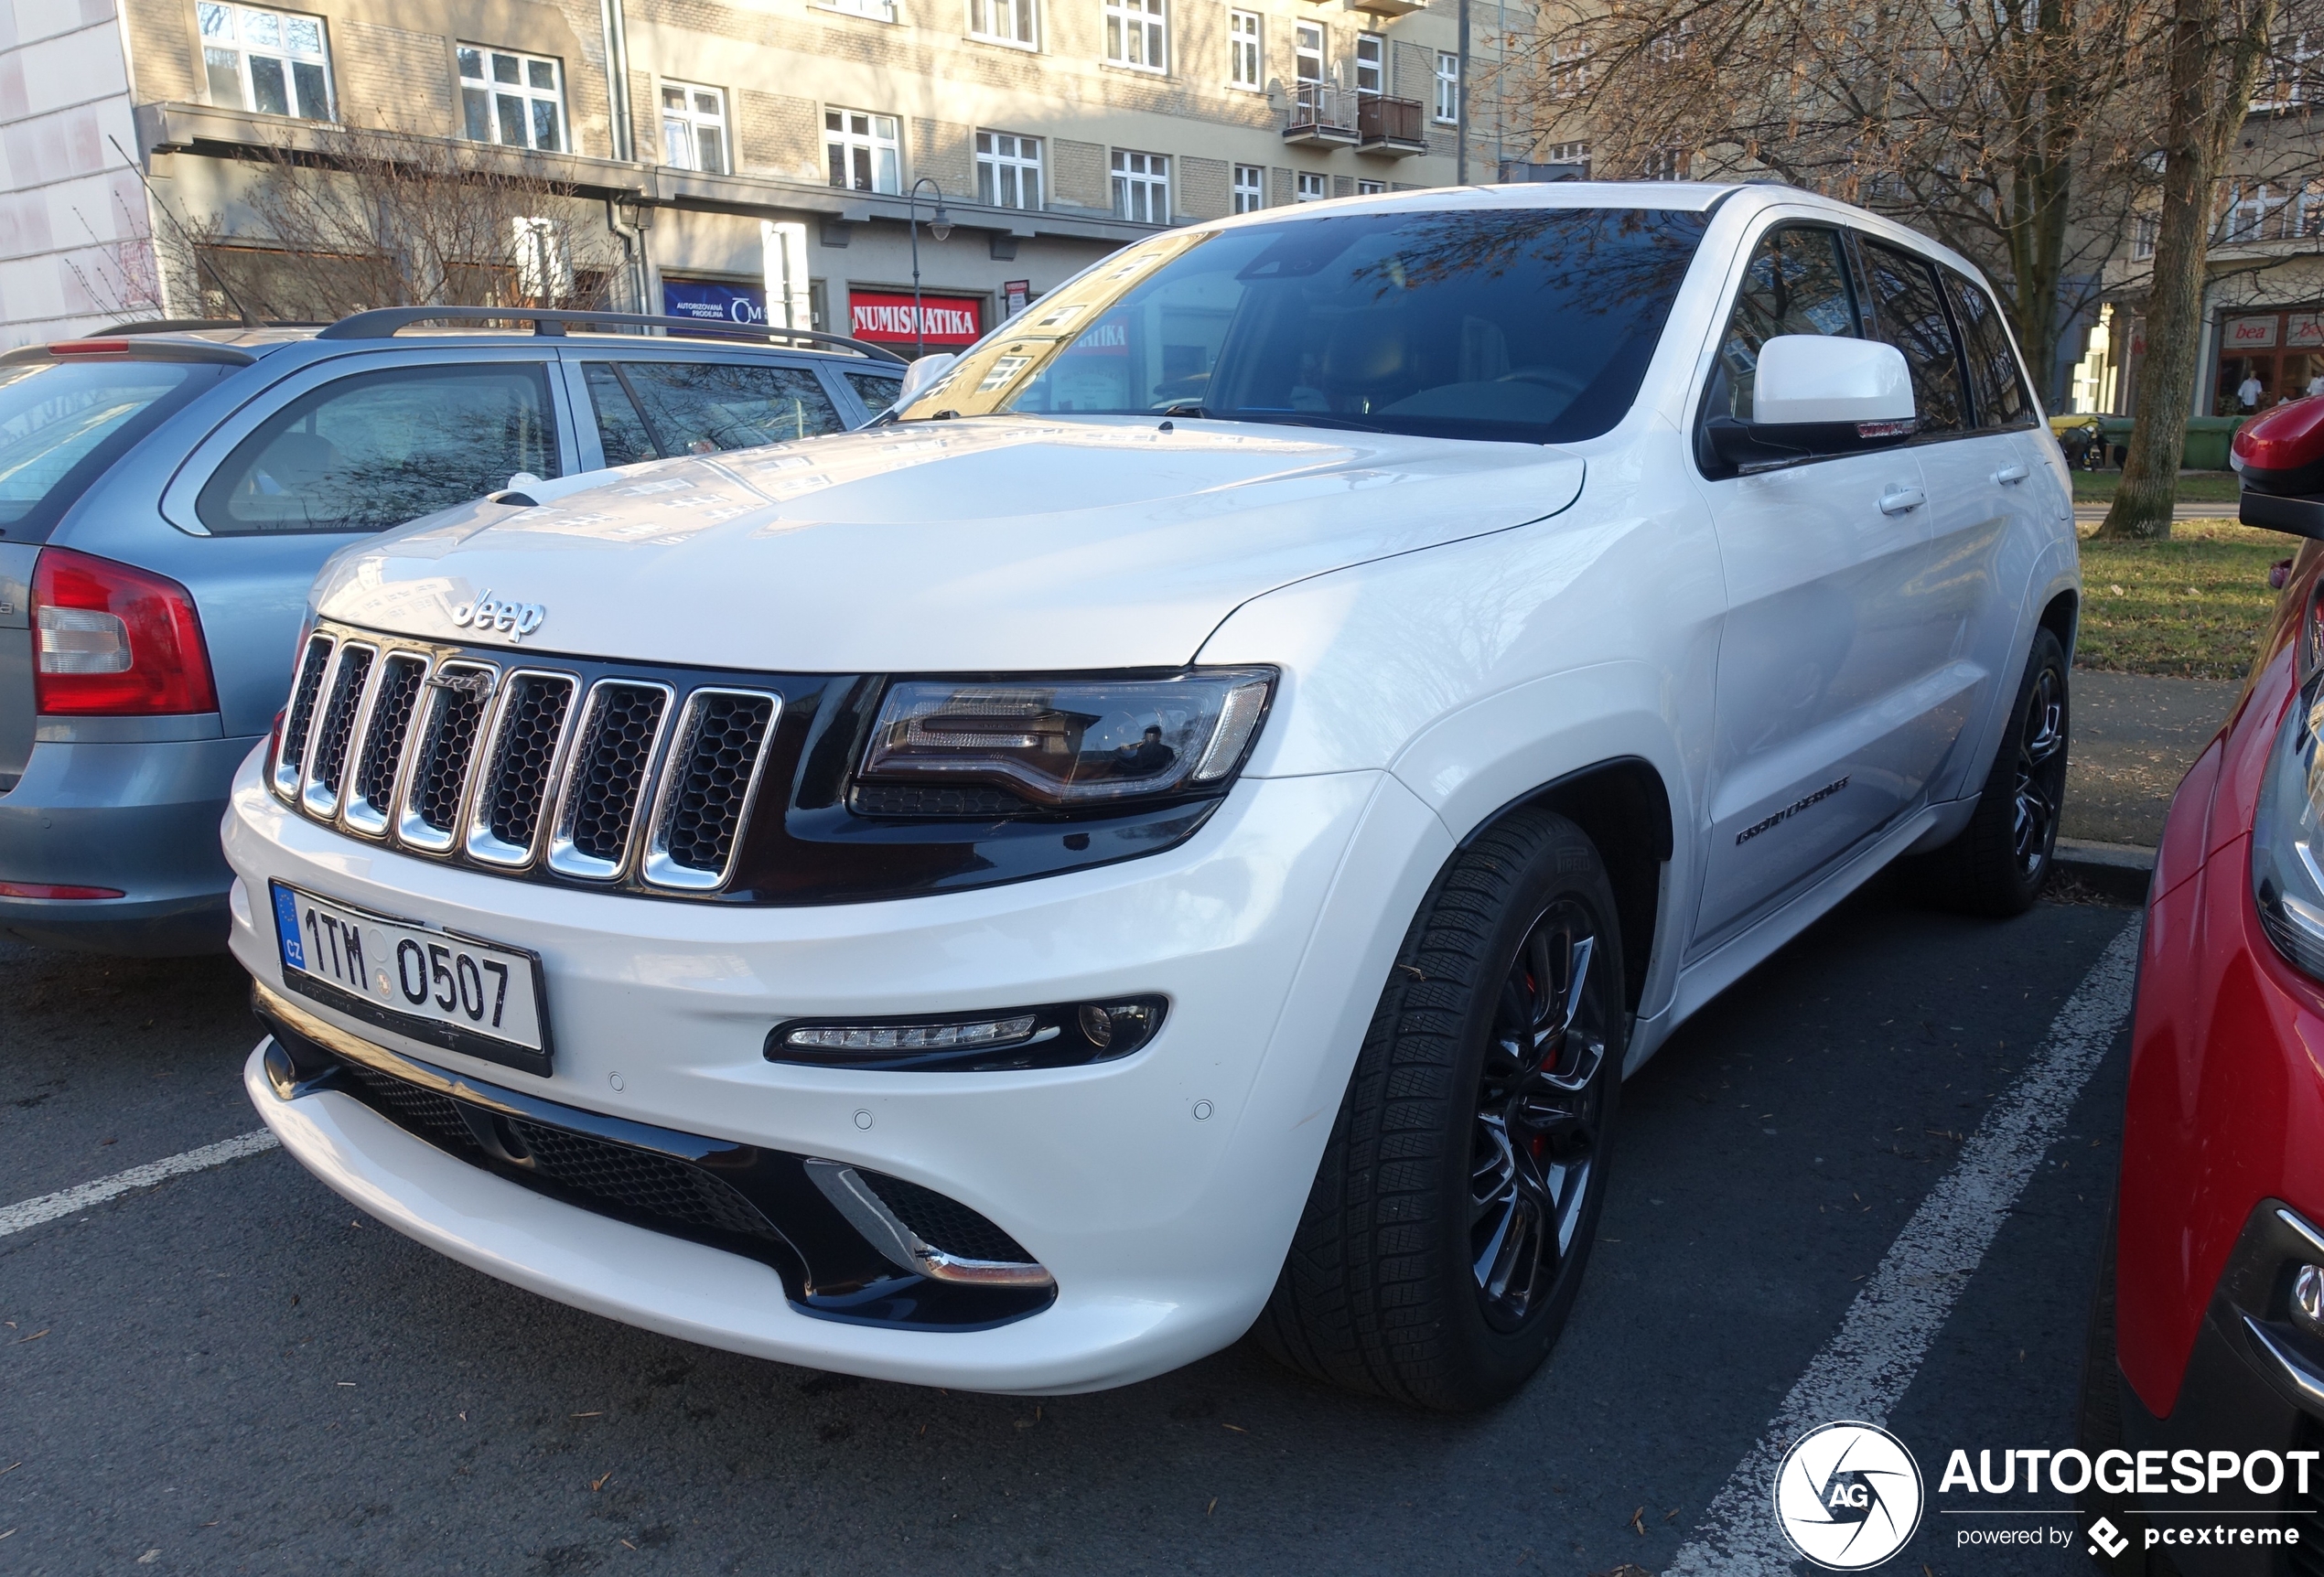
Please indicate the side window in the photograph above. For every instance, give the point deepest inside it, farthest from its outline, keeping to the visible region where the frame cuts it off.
(377, 449)
(1994, 376)
(876, 393)
(1796, 282)
(703, 407)
(1909, 312)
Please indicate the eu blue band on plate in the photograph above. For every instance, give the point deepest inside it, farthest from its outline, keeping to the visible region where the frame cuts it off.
(286, 928)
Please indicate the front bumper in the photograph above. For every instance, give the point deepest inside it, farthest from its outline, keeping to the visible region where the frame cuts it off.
(1160, 1190)
(140, 818)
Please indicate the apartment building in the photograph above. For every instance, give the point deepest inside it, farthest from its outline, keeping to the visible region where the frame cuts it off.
(750, 158)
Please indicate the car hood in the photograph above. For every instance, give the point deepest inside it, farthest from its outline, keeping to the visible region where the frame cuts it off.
(988, 544)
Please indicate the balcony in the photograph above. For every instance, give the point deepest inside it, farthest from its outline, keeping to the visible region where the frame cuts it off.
(1322, 117)
(1388, 10)
(1390, 126)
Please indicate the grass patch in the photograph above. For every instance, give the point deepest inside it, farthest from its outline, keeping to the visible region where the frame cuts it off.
(2191, 607)
(2194, 487)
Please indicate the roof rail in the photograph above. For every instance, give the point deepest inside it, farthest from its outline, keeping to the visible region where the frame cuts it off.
(191, 324)
(385, 321)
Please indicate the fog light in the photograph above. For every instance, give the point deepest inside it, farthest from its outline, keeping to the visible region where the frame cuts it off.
(2308, 1299)
(1061, 1036)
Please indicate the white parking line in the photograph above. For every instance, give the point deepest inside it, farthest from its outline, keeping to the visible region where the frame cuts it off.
(1864, 1369)
(48, 1206)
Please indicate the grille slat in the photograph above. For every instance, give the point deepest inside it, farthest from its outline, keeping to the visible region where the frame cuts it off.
(349, 678)
(606, 784)
(298, 718)
(402, 682)
(515, 791)
(706, 786)
(460, 692)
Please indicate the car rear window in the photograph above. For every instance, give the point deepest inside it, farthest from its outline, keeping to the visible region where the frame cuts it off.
(62, 423)
(1530, 324)
(876, 393)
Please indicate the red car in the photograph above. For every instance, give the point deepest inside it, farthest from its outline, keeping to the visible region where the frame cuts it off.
(2208, 1328)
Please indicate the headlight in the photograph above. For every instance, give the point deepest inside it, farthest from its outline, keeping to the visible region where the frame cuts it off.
(2287, 863)
(1071, 743)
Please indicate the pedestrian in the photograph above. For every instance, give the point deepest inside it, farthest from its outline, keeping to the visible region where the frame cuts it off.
(2247, 393)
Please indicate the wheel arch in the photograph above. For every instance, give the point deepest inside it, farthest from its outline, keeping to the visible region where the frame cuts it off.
(2061, 616)
(1624, 807)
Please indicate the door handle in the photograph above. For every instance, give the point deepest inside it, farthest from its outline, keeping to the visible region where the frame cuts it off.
(2011, 473)
(1903, 501)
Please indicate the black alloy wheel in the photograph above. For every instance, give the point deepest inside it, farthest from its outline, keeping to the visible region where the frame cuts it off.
(1450, 1222)
(1538, 1106)
(1998, 863)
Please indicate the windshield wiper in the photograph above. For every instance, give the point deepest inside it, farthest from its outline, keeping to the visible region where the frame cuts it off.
(1184, 408)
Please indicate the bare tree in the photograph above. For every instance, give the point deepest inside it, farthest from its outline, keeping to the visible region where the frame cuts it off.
(2215, 50)
(2009, 129)
(348, 218)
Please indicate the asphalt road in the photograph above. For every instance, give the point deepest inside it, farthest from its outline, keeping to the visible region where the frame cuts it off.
(231, 1372)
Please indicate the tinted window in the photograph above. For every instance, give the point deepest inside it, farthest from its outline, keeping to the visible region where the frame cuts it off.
(1993, 378)
(1797, 283)
(1533, 325)
(1909, 312)
(876, 393)
(703, 407)
(380, 448)
(62, 423)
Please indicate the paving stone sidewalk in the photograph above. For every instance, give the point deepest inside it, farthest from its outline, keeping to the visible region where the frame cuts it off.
(2134, 738)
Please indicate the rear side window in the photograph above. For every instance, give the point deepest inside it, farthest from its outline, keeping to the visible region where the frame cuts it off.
(62, 423)
(377, 449)
(876, 393)
(1797, 283)
(651, 410)
(1993, 378)
(1909, 312)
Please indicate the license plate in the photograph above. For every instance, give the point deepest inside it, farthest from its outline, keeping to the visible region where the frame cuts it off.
(437, 986)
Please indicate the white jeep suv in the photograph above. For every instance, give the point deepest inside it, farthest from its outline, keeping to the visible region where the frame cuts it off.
(1186, 826)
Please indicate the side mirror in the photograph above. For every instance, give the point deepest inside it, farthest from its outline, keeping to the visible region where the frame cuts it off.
(922, 376)
(1817, 395)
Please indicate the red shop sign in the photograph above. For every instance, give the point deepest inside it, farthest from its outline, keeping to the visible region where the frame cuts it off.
(947, 319)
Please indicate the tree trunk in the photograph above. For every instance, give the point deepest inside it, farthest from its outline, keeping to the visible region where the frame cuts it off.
(2215, 55)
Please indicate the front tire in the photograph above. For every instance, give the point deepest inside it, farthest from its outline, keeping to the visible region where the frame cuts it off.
(1998, 863)
(1446, 1232)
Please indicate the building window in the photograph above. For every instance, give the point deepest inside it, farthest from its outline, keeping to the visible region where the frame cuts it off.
(1568, 70)
(1310, 189)
(511, 99)
(1133, 35)
(1447, 86)
(1569, 153)
(877, 10)
(862, 151)
(1666, 164)
(2143, 230)
(1141, 187)
(1371, 55)
(1008, 170)
(1003, 21)
(271, 61)
(1370, 188)
(1306, 52)
(1249, 187)
(693, 127)
(1243, 55)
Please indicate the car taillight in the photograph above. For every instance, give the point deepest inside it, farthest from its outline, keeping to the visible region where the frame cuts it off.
(2283, 451)
(112, 641)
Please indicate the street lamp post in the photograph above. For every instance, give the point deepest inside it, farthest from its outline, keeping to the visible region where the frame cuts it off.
(939, 225)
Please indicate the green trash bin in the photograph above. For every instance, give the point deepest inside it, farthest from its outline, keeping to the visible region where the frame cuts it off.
(2207, 441)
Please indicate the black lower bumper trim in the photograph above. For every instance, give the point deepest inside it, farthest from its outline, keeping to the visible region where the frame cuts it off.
(743, 1198)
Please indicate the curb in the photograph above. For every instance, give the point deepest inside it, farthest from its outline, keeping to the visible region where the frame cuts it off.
(2118, 870)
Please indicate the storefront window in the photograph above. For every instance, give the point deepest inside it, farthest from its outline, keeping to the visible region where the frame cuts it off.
(2268, 357)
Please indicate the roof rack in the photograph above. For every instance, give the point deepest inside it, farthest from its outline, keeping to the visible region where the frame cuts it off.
(382, 322)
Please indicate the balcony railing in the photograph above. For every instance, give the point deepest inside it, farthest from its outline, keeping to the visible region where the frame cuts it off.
(1391, 127)
(1322, 114)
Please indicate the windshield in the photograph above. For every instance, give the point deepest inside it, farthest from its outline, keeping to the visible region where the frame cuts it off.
(62, 422)
(1531, 325)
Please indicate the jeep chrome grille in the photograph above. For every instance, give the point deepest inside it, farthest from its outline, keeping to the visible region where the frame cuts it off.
(523, 767)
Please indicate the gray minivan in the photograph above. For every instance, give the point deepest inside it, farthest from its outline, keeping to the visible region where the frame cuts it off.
(169, 490)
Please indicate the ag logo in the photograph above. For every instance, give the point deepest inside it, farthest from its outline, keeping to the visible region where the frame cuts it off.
(1848, 1496)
